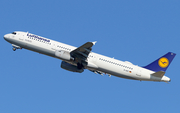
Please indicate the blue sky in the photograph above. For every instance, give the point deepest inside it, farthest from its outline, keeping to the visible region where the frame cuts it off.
(137, 31)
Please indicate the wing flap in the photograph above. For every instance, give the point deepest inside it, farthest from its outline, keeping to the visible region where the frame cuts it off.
(85, 55)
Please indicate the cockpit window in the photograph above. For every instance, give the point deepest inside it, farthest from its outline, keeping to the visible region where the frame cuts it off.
(14, 33)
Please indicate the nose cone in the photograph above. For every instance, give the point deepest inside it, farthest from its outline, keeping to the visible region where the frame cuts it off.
(6, 37)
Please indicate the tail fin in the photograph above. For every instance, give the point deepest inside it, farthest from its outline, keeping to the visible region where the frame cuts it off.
(162, 63)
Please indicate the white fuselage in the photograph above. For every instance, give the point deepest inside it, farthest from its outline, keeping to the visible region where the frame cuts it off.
(100, 63)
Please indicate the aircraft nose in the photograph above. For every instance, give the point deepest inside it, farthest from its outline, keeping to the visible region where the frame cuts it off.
(6, 36)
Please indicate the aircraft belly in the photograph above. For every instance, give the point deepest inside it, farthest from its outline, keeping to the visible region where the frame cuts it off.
(39, 49)
(17, 42)
(116, 71)
(118, 74)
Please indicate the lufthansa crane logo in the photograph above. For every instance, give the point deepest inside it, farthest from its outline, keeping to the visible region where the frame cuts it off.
(163, 62)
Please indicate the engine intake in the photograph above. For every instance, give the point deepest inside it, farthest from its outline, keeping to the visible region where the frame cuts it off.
(70, 67)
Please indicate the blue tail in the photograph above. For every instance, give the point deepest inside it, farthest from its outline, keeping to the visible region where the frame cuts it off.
(162, 63)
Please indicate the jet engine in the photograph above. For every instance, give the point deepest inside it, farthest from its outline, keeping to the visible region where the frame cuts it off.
(65, 55)
(70, 67)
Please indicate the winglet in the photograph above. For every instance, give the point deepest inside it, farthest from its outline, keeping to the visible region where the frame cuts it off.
(94, 42)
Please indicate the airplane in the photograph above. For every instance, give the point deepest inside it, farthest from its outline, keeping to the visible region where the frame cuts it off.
(77, 59)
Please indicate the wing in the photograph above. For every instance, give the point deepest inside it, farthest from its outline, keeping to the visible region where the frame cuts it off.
(81, 53)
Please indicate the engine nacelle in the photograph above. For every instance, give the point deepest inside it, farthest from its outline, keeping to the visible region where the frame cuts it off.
(70, 67)
(63, 55)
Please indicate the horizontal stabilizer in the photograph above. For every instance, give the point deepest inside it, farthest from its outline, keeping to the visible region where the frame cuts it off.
(159, 74)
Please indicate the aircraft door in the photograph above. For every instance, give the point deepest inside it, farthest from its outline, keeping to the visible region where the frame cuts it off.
(94, 57)
(139, 72)
(53, 45)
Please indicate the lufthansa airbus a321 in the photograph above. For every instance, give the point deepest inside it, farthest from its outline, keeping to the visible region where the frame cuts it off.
(76, 59)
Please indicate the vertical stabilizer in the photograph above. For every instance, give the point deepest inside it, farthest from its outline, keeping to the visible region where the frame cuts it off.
(162, 63)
